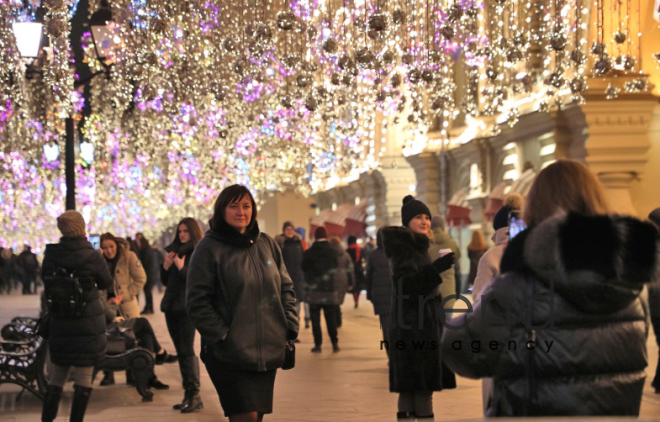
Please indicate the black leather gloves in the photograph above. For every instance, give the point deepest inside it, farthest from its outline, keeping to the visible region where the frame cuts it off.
(444, 263)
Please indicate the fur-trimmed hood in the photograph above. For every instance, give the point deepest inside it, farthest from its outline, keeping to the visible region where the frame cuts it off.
(281, 238)
(397, 239)
(598, 263)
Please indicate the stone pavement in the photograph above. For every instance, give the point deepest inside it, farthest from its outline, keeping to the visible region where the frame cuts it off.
(351, 385)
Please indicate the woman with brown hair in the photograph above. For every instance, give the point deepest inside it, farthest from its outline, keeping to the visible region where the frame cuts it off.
(241, 299)
(174, 274)
(476, 249)
(567, 314)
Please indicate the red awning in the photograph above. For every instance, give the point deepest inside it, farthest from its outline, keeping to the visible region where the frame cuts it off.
(458, 209)
(347, 220)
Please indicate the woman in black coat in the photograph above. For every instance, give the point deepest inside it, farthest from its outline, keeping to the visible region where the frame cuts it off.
(563, 329)
(415, 363)
(76, 344)
(174, 274)
(241, 299)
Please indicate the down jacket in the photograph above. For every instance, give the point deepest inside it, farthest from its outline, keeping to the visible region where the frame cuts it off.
(130, 278)
(581, 280)
(326, 279)
(415, 327)
(240, 298)
(80, 341)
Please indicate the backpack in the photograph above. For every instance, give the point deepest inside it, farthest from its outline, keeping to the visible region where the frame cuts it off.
(64, 295)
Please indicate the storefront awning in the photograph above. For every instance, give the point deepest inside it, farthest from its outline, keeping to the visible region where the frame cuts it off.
(458, 209)
(494, 200)
(347, 220)
(524, 183)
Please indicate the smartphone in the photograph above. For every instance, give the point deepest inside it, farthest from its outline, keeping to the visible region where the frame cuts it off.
(95, 240)
(516, 223)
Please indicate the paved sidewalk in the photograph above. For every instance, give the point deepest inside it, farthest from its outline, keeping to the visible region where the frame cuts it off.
(351, 385)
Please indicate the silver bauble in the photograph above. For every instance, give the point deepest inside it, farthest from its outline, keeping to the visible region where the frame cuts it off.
(399, 17)
(229, 44)
(303, 81)
(414, 75)
(558, 42)
(628, 62)
(285, 20)
(555, 79)
(378, 22)
(577, 85)
(602, 66)
(427, 75)
(330, 45)
(620, 37)
(447, 32)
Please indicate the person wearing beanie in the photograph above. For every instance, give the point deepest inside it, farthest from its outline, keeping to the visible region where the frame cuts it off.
(327, 270)
(292, 252)
(75, 344)
(654, 306)
(415, 373)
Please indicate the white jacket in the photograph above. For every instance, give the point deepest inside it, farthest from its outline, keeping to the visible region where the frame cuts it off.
(489, 264)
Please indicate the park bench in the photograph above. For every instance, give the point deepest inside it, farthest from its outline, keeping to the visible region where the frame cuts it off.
(23, 360)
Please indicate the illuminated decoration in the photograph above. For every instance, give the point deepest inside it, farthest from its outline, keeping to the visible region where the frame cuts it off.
(295, 94)
(28, 37)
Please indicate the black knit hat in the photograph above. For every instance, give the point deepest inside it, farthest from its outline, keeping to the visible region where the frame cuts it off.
(412, 208)
(501, 218)
(287, 224)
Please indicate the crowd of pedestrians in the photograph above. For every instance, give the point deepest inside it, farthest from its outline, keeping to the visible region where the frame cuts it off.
(557, 324)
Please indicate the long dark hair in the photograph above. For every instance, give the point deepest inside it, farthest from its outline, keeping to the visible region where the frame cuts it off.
(228, 196)
(194, 230)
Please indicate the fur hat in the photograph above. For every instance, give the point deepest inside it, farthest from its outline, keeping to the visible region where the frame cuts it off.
(287, 224)
(511, 202)
(412, 208)
(71, 224)
(320, 233)
(655, 217)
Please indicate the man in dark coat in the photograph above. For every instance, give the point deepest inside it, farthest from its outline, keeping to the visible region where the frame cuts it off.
(77, 342)
(292, 252)
(146, 255)
(321, 266)
(379, 286)
(654, 305)
(29, 267)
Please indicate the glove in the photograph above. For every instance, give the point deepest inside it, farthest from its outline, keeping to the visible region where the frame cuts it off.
(444, 263)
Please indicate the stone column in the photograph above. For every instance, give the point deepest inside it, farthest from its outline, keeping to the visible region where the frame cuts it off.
(618, 143)
(385, 189)
(427, 174)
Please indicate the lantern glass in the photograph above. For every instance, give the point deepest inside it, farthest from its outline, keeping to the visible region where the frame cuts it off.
(28, 37)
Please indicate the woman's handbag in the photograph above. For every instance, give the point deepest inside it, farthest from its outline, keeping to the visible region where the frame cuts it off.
(289, 355)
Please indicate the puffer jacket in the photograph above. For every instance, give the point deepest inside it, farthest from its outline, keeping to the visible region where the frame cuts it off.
(583, 280)
(325, 283)
(415, 322)
(80, 341)
(130, 278)
(489, 264)
(240, 298)
(292, 252)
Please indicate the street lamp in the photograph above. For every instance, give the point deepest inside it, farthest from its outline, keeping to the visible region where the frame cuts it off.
(102, 28)
(28, 38)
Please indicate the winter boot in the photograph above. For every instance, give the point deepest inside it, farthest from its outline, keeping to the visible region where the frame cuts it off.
(80, 399)
(51, 403)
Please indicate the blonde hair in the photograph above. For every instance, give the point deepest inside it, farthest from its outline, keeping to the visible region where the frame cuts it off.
(478, 241)
(564, 186)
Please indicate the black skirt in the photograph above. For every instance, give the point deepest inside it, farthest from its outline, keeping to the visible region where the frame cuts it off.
(242, 391)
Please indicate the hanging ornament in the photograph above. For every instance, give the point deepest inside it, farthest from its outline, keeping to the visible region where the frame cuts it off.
(399, 17)
(427, 75)
(345, 62)
(472, 12)
(240, 66)
(611, 92)
(264, 33)
(577, 85)
(335, 79)
(455, 12)
(406, 59)
(491, 73)
(602, 66)
(578, 57)
(286, 101)
(636, 85)
(598, 48)
(311, 103)
(447, 32)
(378, 22)
(514, 55)
(395, 80)
(330, 45)
(388, 56)
(558, 42)
(286, 20)
(620, 37)
(555, 79)
(303, 81)
(414, 75)
(364, 57)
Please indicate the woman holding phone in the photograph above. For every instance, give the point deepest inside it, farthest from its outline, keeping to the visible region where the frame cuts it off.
(571, 300)
(174, 274)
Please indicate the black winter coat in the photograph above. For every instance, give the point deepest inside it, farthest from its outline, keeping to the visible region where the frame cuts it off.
(149, 263)
(325, 284)
(175, 280)
(357, 259)
(80, 341)
(586, 275)
(292, 253)
(415, 330)
(379, 282)
(241, 299)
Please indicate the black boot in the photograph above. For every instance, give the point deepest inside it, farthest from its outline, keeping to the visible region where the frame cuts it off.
(80, 399)
(190, 373)
(108, 378)
(51, 403)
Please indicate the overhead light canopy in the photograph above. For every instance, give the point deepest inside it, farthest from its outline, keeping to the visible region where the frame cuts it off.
(28, 37)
